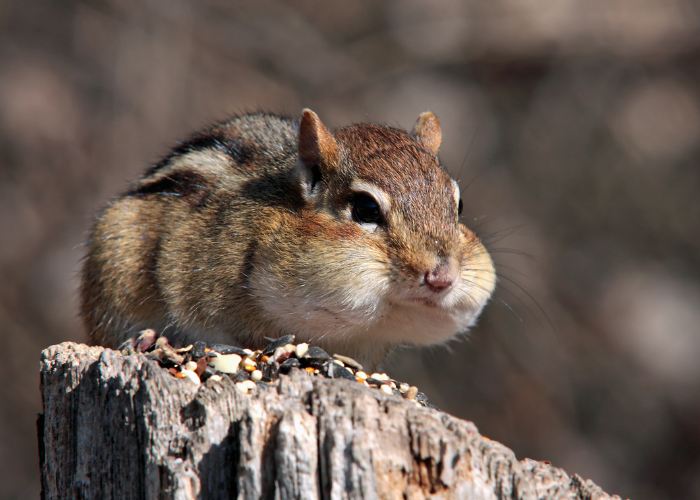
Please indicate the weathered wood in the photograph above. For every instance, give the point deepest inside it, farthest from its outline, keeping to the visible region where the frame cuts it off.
(121, 427)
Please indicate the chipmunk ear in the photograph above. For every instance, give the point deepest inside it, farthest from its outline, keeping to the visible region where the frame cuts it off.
(427, 132)
(318, 152)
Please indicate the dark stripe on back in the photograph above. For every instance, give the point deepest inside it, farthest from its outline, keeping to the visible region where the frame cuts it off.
(187, 184)
(219, 140)
(208, 140)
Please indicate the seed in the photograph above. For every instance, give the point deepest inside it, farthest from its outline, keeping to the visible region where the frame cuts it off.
(242, 387)
(256, 376)
(227, 349)
(348, 361)
(386, 388)
(215, 378)
(199, 351)
(192, 376)
(316, 356)
(301, 349)
(250, 385)
(421, 398)
(284, 356)
(275, 343)
(335, 370)
(146, 339)
(191, 365)
(290, 348)
(310, 369)
(276, 354)
(411, 393)
(339, 362)
(226, 363)
(361, 375)
(287, 365)
(404, 388)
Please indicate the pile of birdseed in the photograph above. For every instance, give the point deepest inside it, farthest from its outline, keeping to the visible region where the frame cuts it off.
(255, 370)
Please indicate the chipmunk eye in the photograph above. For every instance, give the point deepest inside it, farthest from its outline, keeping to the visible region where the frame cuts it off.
(365, 209)
(460, 207)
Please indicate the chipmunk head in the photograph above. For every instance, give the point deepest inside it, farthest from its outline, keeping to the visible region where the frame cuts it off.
(380, 222)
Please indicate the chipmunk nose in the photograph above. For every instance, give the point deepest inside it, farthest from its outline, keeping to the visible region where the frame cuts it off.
(442, 277)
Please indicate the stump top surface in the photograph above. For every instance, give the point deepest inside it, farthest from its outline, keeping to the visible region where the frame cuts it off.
(118, 426)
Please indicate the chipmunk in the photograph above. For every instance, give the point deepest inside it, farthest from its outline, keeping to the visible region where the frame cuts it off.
(262, 226)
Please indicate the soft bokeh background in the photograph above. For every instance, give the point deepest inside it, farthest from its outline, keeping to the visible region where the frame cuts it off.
(574, 128)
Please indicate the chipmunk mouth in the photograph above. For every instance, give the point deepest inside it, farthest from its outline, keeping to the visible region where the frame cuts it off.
(424, 302)
(419, 302)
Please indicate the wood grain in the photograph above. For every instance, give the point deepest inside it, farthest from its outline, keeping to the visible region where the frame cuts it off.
(121, 427)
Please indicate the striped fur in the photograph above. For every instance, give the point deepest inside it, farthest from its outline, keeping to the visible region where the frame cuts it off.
(238, 234)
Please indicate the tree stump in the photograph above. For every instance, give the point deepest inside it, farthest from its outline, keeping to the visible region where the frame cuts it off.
(121, 427)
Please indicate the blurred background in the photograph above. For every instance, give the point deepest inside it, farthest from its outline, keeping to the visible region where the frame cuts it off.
(574, 129)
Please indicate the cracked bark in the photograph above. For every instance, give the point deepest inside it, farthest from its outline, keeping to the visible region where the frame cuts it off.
(118, 427)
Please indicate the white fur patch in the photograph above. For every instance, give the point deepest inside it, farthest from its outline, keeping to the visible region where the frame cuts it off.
(359, 307)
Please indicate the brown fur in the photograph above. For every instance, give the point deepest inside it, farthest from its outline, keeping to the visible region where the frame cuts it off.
(220, 239)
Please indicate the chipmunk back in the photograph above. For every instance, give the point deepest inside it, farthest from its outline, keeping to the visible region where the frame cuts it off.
(262, 226)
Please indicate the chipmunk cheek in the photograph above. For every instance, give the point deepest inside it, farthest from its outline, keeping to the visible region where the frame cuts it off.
(314, 226)
(344, 232)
